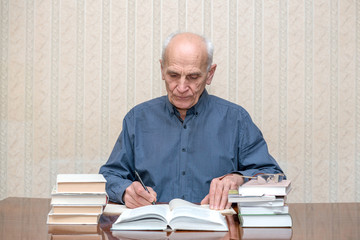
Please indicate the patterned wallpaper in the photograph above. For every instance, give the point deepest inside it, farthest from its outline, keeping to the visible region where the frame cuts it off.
(70, 70)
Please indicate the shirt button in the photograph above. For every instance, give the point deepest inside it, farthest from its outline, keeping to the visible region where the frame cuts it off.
(183, 149)
(185, 126)
(183, 173)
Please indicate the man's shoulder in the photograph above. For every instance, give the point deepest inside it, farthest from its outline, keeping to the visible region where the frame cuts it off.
(216, 101)
(148, 105)
(152, 102)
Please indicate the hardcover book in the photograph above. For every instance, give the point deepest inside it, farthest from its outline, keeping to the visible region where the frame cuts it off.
(78, 198)
(84, 218)
(278, 201)
(253, 188)
(264, 210)
(98, 209)
(266, 233)
(80, 183)
(177, 215)
(279, 220)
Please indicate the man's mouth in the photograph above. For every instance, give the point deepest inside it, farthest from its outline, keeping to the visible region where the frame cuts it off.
(182, 97)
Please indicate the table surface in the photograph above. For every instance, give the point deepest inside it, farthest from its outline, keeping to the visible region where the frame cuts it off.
(25, 218)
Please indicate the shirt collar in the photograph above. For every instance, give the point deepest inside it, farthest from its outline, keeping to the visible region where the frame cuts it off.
(196, 109)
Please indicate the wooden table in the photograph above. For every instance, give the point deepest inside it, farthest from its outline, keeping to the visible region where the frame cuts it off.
(25, 218)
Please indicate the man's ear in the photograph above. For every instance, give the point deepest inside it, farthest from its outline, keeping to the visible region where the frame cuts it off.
(210, 74)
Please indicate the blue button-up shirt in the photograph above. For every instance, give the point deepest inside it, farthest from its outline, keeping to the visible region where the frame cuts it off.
(178, 159)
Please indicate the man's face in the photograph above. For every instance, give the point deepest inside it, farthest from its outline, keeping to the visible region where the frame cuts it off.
(185, 73)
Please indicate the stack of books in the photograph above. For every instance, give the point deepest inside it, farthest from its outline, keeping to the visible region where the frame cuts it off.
(263, 205)
(77, 200)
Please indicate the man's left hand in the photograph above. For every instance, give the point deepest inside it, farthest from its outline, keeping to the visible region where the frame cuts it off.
(219, 190)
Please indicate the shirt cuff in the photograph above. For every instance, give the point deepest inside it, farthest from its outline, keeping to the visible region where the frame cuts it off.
(116, 192)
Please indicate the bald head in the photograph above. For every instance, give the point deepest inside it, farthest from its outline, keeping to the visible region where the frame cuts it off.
(187, 40)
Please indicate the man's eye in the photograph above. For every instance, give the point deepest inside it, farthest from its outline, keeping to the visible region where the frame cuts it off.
(193, 76)
(173, 75)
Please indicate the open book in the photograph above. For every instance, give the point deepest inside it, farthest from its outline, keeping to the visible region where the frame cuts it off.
(177, 215)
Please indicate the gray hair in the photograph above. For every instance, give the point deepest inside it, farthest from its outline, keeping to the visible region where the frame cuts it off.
(209, 47)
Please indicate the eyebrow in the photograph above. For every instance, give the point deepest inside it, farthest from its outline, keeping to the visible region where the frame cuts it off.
(171, 72)
(191, 73)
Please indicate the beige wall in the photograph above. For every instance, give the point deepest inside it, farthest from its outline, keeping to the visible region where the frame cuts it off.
(70, 70)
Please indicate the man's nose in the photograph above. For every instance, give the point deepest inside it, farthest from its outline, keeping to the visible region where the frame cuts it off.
(183, 84)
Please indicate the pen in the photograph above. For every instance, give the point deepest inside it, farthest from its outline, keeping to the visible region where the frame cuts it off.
(142, 183)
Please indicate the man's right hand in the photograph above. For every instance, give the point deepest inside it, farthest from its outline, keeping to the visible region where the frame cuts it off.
(136, 196)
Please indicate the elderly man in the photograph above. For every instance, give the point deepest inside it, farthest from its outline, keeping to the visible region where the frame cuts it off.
(188, 144)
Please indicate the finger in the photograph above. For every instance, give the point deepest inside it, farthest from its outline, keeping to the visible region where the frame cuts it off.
(153, 193)
(205, 200)
(133, 195)
(218, 195)
(224, 197)
(129, 200)
(229, 183)
(212, 192)
(131, 203)
(142, 196)
(220, 188)
(228, 205)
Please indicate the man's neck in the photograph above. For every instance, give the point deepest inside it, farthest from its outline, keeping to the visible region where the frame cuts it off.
(182, 113)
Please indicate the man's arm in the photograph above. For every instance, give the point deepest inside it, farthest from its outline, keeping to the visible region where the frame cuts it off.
(119, 172)
(253, 158)
(119, 169)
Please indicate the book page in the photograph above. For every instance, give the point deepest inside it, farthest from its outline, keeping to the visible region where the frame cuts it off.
(151, 211)
(226, 211)
(177, 202)
(196, 213)
(195, 218)
(114, 209)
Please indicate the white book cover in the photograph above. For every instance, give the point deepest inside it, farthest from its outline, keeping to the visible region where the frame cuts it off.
(279, 220)
(78, 198)
(253, 188)
(264, 210)
(266, 233)
(80, 183)
(80, 178)
(279, 201)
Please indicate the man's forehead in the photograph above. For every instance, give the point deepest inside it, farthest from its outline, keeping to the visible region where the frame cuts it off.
(183, 69)
(187, 54)
(185, 61)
